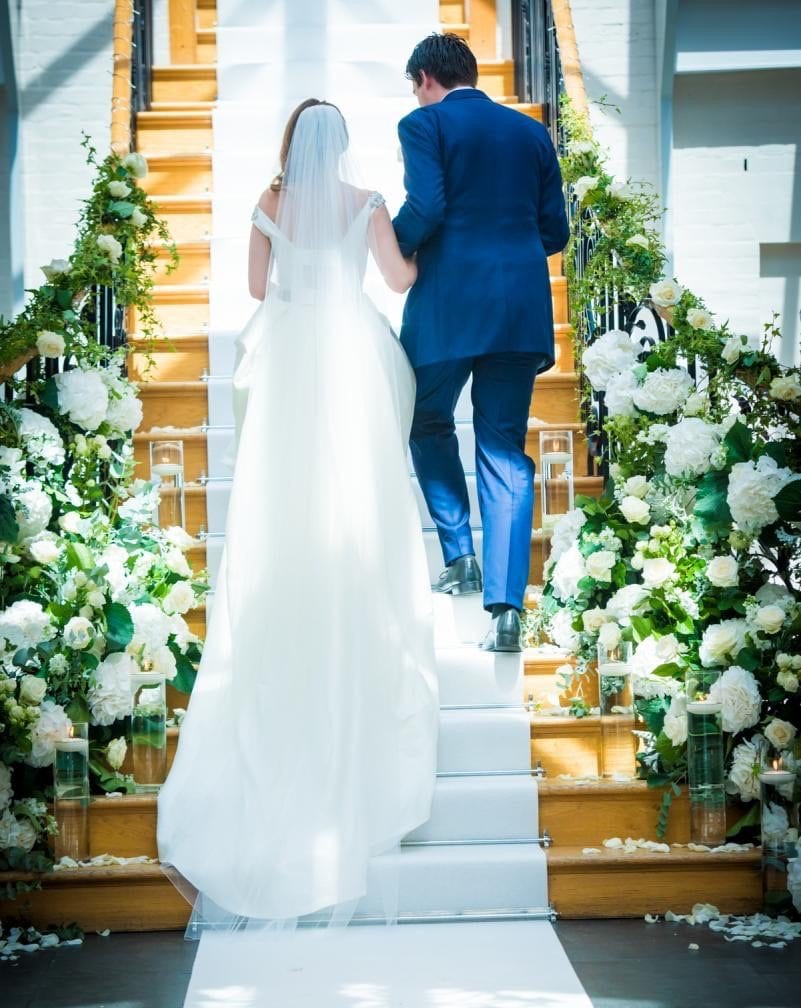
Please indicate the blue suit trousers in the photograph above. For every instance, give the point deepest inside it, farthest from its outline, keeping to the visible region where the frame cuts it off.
(502, 387)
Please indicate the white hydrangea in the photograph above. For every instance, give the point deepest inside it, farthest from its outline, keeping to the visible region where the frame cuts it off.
(124, 406)
(619, 398)
(45, 550)
(567, 573)
(692, 444)
(564, 535)
(737, 691)
(752, 488)
(722, 642)
(663, 390)
(109, 696)
(606, 356)
(561, 631)
(164, 663)
(25, 624)
(152, 627)
(51, 726)
(743, 777)
(182, 634)
(82, 397)
(626, 602)
(40, 436)
(33, 510)
(176, 535)
(675, 724)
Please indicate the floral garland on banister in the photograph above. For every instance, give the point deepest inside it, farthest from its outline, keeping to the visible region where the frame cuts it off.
(693, 553)
(90, 590)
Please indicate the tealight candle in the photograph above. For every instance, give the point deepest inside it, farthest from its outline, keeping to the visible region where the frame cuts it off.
(776, 777)
(703, 707)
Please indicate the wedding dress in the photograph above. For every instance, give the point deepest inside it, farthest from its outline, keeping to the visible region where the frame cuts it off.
(309, 743)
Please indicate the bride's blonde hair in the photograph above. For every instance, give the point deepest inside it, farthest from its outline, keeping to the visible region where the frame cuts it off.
(277, 183)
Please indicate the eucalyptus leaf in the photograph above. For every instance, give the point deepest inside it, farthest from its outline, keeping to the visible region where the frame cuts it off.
(122, 208)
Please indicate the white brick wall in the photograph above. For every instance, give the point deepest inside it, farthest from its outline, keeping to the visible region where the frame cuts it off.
(63, 55)
(617, 47)
(6, 296)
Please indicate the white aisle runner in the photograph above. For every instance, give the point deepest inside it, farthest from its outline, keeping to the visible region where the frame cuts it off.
(478, 854)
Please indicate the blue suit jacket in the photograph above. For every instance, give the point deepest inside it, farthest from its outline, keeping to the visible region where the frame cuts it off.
(484, 208)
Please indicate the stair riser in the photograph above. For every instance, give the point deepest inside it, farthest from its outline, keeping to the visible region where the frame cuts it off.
(206, 47)
(194, 267)
(168, 409)
(171, 365)
(178, 180)
(163, 137)
(496, 81)
(452, 12)
(577, 756)
(192, 224)
(586, 820)
(206, 15)
(631, 892)
(178, 317)
(200, 86)
(543, 686)
(555, 402)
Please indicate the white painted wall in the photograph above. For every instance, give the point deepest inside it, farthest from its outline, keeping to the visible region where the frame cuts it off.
(63, 53)
(617, 47)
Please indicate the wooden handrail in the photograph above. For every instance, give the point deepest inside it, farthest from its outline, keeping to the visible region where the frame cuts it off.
(10, 369)
(569, 55)
(121, 77)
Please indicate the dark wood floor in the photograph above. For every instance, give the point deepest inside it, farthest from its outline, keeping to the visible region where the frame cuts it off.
(622, 964)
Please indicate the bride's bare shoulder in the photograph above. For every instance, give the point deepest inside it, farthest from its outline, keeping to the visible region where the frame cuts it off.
(268, 202)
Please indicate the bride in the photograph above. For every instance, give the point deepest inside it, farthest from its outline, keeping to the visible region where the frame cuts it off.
(309, 744)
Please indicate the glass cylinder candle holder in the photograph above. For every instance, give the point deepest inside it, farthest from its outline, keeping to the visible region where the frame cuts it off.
(71, 794)
(167, 471)
(556, 481)
(148, 731)
(779, 823)
(705, 760)
(616, 702)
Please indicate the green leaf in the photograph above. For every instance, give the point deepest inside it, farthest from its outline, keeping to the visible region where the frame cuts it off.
(669, 669)
(49, 394)
(119, 626)
(739, 443)
(711, 507)
(788, 501)
(122, 208)
(185, 677)
(777, 452)
(641, 627)
(9, 529)
(751, 818)
(64, 298)
(748, 659)
(78, 710)
(79, 555)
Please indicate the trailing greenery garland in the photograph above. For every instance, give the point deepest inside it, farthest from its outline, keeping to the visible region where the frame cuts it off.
(693, 553)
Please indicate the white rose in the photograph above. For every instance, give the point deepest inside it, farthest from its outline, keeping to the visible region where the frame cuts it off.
(638, 241)
(665, 293)
(25, 624)
(180, 598)
(619, 398)
(138, 219)
(668, 648)
(752, 488)
(561, 630)
(109, 697)
(635, 511)
(164, 663)
(6, 791)
(136, 164)
(788, 681)
(599, 565)
(593, 619)
(178, 536)
(583, 185)
(32, 690)
(115, 752)
(33, 510)
(722, 641)
(50, 344)
(723, 572)
(612, 352)
(691, 446)
(177, 563)
(770, 619)
(567, 573)
(737, 692)
(785, 388)
(72, 522)
(743, 779)
(78, 633)
(780, 733)
(627, 602)
(45, 551)
(622, 191)
(82, 397)
(700, 318)
(696, 404)
(119, 190)
(609, 636)
(663, 391)
(51, 726)
(675, 724)
(96, 599)
(108, 243)
(636, 486)
(56, 268)
(657, 572)
(732, 349)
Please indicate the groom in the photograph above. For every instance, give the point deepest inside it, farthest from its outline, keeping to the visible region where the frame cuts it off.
(484, 208)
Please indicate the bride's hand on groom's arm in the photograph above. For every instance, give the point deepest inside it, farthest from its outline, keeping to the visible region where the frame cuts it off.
(399, 273)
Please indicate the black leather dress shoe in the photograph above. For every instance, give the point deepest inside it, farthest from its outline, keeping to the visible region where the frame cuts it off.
(506, 633)
(462, 577)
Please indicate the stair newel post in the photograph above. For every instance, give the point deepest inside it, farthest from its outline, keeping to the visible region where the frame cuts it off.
(705, 763)
(779, 823)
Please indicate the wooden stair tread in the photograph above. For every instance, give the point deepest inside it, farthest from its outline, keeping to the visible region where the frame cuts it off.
(176, 117)
(183, 202)
(179, 71)
(572, 858)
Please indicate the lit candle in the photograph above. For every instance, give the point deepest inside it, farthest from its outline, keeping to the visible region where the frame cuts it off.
(703, 707)
(73, 744)
(557, 458)
(777, 775)
(166, 469)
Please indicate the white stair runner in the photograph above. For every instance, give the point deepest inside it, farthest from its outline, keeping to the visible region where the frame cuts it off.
(477, 855)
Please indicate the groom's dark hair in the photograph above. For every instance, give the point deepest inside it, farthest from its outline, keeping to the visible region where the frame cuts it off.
(447, 58)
